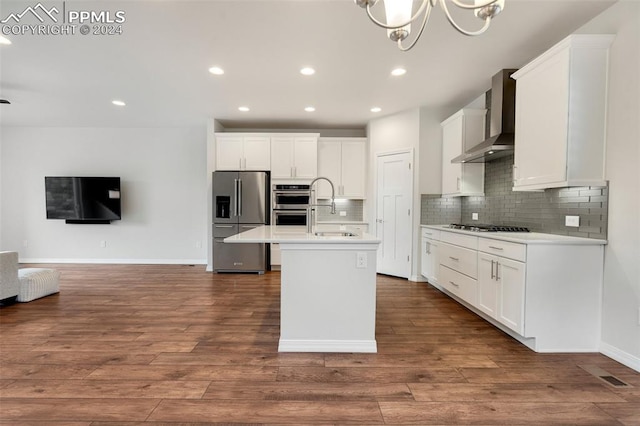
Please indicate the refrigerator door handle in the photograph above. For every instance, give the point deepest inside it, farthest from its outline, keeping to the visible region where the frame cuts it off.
(239, 197)
(235, 197)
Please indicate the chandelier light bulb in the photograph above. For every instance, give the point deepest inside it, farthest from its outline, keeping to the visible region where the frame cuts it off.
(399, 16)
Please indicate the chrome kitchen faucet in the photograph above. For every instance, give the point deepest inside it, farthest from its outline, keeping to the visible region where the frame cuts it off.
(310, 205)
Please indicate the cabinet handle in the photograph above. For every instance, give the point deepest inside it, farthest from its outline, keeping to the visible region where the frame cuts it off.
(454, 258)
(497, 270)
(428, 247)
(496, 248)
(492, 275)
(223, 226)
(454, 284)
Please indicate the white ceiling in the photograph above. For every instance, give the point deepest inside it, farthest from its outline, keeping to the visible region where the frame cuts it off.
(159, 65)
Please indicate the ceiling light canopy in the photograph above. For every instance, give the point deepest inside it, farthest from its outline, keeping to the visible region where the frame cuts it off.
(398, 16)
(309, 109)
(397, 72)
(118, 103)
(243, 109)
(376, 109)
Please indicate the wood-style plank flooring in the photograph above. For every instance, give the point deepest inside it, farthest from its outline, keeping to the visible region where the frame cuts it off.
(123, 344)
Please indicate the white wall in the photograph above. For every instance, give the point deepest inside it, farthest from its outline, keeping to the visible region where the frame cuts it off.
(621, 307)
(162, 173)
(390, 134)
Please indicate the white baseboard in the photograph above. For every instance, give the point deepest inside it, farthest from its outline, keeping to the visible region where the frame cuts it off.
(621, 356)
(120, 261)
(417, 279)
(359, 346)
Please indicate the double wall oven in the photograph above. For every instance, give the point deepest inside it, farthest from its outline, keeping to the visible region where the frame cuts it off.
(290, 204)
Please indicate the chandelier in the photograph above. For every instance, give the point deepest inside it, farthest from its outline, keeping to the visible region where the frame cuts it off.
(399, 18)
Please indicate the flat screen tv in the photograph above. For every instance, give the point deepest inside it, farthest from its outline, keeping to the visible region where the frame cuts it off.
(83, 199)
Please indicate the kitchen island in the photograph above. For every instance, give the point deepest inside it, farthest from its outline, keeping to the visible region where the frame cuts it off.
(328, 288)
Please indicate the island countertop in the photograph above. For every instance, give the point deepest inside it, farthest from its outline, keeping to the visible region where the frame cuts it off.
(296, 235)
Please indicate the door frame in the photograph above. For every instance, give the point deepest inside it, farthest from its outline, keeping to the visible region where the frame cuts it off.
(409, 243)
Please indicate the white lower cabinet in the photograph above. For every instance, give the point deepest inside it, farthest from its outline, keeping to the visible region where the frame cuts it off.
(501, 290)
(429, 260)
(463, 286)
(546, 292)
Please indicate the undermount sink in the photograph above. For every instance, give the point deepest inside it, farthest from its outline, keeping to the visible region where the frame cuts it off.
(334, 234)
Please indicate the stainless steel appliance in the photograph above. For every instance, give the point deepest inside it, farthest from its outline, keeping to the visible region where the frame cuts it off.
(240, 203)
(488, 228)
(290, 204)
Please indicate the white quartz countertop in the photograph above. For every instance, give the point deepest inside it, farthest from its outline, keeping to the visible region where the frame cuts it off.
(523, 237)
(296, 235)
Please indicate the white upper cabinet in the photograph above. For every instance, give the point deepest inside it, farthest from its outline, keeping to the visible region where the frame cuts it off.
(343, 161)
(561, 100)
(294, 157)
(460, 132)
(242, 152)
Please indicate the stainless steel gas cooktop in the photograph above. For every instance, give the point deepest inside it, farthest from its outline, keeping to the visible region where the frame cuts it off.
(488, 228)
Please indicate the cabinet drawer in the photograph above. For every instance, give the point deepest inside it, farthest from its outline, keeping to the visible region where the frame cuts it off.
(432, 234)
(459, 259)
(503, 248)
(461, 285)
(467, 241)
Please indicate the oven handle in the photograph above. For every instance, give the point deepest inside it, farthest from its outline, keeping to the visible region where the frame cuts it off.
(291, 192)
(289, 212)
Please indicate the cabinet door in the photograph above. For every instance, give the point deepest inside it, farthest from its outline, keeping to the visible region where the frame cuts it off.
(329, 165)
(305, 158)
(510, 276)
(282, 157)
(228, 152)
(257, 153)
(451, 147)
(487, 284)
(541, 123)
(353, 169)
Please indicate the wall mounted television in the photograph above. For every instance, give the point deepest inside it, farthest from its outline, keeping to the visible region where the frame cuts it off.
(83, 200)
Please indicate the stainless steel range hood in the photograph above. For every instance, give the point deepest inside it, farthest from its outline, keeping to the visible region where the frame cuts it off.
(501, 105)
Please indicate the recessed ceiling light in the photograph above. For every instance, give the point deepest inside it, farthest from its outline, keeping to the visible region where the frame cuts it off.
(4, 40)
(216, 70)
(397, 72)
(243, 109)
(376, 109)
(118, 103)
(309, 109)
(307, 71)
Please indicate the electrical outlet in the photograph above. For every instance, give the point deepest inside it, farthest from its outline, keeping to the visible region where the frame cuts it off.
(343, 213)
(474, 216)
(573, 221)
(103, 243)
(343, 227)
(198, 244)
(361, 260)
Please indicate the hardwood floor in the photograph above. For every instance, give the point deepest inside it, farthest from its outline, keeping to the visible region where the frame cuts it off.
(123, 344)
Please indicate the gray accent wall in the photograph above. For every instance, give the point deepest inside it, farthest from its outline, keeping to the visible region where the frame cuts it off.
(538, 211)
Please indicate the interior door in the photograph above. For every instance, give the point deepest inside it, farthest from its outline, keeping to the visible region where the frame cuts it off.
(393, 215)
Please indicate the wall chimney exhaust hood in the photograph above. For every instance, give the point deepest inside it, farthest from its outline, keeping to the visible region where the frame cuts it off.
(501, 116)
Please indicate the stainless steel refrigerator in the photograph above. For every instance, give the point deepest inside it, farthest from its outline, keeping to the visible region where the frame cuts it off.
(240, 202)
